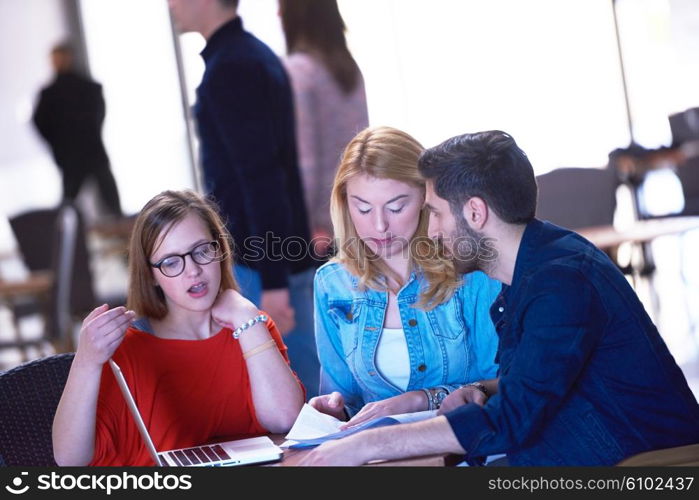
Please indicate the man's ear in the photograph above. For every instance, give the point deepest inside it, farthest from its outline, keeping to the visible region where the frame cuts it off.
(475, 212)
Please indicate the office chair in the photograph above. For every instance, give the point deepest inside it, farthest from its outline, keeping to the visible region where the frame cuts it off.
(55, 240)
(685, 136)
(688, 174)
(576, 198)
(30, 394)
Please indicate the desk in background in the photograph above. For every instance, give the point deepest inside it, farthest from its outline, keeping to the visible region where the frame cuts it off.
(639, 232)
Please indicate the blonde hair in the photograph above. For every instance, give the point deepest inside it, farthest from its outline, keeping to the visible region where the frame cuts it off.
(388, 153)
(156, 219)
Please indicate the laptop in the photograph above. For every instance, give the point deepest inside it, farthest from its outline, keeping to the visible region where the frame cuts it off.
(229, 453)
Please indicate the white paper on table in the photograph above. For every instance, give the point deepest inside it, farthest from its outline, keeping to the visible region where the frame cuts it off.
(311, 424)
(312, 427)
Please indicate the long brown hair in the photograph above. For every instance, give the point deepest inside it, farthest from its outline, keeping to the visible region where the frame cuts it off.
(388, 153)
(154, 222)
(316, 27)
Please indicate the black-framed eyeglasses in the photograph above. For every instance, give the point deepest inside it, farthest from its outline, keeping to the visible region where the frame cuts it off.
(206, 253)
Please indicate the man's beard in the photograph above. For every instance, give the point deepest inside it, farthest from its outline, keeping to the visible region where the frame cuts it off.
(465, 249)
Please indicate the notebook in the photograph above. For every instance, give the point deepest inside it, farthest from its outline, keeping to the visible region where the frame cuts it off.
(239, 452)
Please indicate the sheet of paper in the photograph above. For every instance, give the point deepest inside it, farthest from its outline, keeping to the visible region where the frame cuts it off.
(311, 424)
(313, 428)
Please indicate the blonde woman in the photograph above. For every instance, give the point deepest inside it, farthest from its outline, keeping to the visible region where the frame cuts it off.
(396, 328)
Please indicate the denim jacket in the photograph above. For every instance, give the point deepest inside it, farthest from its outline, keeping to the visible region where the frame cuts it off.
(585, 378)
(452, 344)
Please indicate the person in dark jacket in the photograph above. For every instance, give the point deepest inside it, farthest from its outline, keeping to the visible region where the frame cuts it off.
(245, 122)
(69, 116)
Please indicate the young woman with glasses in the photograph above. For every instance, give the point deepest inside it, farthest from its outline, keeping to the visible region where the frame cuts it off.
(201, 360)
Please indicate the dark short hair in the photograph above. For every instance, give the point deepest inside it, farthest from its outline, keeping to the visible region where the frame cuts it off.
(489, 165)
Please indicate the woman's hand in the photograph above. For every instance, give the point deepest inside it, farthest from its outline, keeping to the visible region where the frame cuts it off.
(101, 333)
(332, 404)
(404, 403)
(231, 309)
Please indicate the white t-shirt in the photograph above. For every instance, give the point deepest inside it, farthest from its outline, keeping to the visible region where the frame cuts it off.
(392, 358)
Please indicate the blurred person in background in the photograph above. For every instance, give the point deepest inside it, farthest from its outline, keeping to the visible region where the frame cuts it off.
(245, 121)
(69, 116)
(329, 98)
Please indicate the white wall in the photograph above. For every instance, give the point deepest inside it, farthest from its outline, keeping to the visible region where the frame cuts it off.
(131, 52)
(545, 71)
(660, 40)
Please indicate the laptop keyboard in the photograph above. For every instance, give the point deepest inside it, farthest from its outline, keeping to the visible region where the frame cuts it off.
(199, 455)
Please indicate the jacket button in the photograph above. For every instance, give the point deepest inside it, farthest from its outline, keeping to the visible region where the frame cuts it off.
(412, 322)
(349, 316)
(422, 368)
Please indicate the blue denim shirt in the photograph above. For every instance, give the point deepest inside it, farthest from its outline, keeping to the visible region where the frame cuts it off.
(450, 345)
(585, 378)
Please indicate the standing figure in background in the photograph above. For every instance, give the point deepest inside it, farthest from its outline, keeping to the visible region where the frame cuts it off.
(245, 121)
(69, 116)
(330, 101)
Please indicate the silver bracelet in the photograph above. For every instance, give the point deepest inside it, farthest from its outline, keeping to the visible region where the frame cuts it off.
(248, 324)
(435, 396)
(428, 394)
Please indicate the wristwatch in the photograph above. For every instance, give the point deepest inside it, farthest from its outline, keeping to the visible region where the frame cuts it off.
(435, 396)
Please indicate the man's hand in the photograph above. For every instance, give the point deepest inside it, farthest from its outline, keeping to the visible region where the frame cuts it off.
(461, 396)
(347, 451)
(276, 303)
